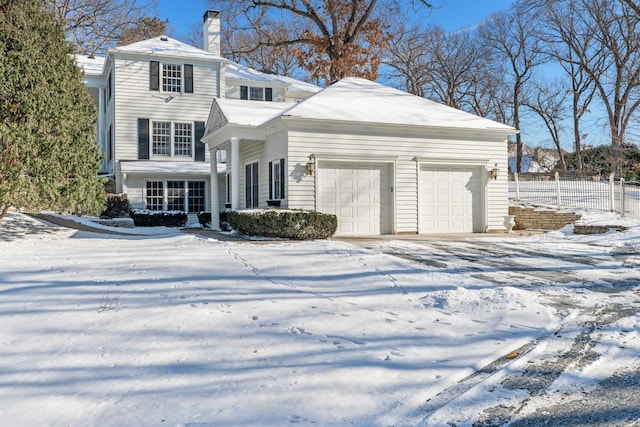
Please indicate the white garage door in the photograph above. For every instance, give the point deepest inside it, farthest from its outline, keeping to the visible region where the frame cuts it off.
(450, 199)
(358, 194)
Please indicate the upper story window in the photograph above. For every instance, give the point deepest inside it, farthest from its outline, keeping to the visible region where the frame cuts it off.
(175, 78)
(171, 139)
(256, 93)
(171, 78)
(163, 139)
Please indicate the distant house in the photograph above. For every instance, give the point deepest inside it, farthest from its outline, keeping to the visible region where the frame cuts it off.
(534, 160)
(382, 160)
(153, 99)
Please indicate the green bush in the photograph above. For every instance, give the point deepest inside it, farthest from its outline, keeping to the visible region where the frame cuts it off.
(286, 224)
(117, 206)
(204, 218)
(147, 218)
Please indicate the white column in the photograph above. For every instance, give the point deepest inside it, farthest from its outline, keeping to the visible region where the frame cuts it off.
(235, 173)
(215, 204)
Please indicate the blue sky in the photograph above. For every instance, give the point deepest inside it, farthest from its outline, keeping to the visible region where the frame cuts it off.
(451, 14)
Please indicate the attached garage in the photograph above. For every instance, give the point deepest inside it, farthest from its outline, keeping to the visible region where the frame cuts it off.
(451, 199)
(359, 194)
(382, 160)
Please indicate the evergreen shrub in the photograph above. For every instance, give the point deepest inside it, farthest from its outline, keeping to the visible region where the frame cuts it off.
(147, 218)
(286, 224)
(117, 206)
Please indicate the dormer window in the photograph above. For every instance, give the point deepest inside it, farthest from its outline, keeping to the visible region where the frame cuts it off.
(172, 78)
(256, 93)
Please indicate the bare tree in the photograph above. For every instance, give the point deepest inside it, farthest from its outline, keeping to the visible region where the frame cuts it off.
(95, 25)
(566, 36)
(547, 100)
(513, 35)
(331, 39)
(407, 58)
(612, 60)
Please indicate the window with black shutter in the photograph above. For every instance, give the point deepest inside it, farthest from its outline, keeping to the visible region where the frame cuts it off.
(154, 75)
(188, 78)
(268, 94)
(244, 92)
(199, 145)
(143, 139)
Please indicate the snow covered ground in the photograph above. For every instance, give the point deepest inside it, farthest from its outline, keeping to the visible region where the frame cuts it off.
(177, 329)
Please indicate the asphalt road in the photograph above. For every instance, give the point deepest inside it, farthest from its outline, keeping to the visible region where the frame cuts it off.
(615, 400)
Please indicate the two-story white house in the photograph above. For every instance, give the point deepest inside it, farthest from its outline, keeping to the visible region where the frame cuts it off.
(154, 98)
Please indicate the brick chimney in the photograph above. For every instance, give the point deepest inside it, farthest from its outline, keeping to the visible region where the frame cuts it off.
(211, 31)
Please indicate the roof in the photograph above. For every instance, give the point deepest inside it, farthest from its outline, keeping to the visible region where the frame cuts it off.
(250, 113)
(241, 72)
(91, 65)
(166, 46)
(359, 100)
(166, 167)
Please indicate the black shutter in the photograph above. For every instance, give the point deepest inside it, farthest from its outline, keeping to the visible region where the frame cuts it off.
(110, 144)
(244, 92)
(283, 174)
(188, 78)
(268, 94)
(247, 186)
(143, 139)
(199, 148)
(154, 75)
(271, 180)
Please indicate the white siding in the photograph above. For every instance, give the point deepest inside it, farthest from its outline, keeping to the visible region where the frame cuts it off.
(134, 100)
(375, 144)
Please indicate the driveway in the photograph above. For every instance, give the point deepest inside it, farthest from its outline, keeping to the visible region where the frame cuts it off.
(542, 370)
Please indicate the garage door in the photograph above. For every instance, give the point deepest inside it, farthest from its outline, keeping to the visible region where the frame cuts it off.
(450, 199)
(358, 194)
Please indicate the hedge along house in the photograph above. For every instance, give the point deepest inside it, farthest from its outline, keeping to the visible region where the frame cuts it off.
(382, 160)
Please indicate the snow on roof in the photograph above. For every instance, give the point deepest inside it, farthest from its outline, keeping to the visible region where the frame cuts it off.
(360, 100)
(166, 46)
(241, 72)
(92, 65)
(166, 167)
(250, 113)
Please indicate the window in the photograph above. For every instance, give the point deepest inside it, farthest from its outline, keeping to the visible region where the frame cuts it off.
(276, 179)
(182, 139)
(161, 139)
(109, 86)
(155, 195)
(196, 200)
(174, 78)
(256, 93)
(251, 185)
(163, 144)
(171, 78)
(176, 196)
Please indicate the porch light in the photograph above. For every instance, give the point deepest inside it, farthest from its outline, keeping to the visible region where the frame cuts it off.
(311, 165)
(493, 173)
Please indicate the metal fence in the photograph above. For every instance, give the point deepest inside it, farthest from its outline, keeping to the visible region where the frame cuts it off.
(572, 190)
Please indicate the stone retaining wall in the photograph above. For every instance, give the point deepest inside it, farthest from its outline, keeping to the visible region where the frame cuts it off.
(528, 218)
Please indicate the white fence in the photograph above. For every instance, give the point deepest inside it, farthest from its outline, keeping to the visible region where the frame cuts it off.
(577, 191)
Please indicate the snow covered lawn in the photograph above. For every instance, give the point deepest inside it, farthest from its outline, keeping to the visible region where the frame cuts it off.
(175, 329)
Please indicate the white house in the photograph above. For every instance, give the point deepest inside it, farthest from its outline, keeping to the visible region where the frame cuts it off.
(382, 160)
(153, 99)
